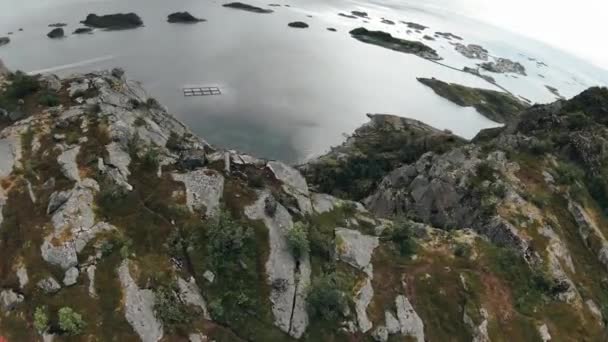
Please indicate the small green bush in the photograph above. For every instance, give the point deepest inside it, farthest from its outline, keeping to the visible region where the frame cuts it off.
(225, 241)
(568, 174)
(41, 319)
(22, 85)
(151, 159)
(402, 236)
(462, 250)
(216, 309)
(49, 99)
(170, 309)
(297, 239)
(70, 321)
(326, 300)
(485, 171)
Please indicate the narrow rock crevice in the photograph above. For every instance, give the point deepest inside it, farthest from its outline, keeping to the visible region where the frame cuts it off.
(296, 276)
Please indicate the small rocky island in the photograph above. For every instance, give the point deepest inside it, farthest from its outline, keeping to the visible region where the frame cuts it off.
(119, 21)
(298, 24)
(56, 33)
(247, 7)
(83, 30)
(495, 105)
(386, 40)
(4, 40)
(504, 65)
(183, 17)
(472, 51)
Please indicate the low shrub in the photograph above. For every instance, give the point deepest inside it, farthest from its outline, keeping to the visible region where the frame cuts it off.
(170, 309)
(297, 239)
(326, 300)
(71, 322)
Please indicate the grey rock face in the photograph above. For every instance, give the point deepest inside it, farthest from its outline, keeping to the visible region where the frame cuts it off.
(436, 190)
(57, 199)
(118, 164)
(587, 229)
(293, 184)
(380, 334)
(49, 285)
(9, 299)
(71, 276)
(76, 216)
(139, 307)
(209, 276)
(480, 332)
(543, 330)
(52, 82)
(322, 203)
(191, 295)
(78, 87)
(356, 249)
(91, 276)
(290, 316)
(67, 162)
(22, 276)
(204, 189)
(409, 322)
(362, 299)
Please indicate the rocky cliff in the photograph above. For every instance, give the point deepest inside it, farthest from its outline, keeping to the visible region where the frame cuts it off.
(119, 224)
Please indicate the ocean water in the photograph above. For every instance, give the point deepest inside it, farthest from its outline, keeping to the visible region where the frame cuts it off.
(287, 94)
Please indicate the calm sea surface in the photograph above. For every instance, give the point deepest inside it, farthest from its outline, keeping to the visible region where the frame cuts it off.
(288, 93)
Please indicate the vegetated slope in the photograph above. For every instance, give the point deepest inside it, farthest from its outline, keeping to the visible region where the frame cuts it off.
(119, 224)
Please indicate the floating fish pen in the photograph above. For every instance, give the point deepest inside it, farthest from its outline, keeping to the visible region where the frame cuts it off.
(201, 91)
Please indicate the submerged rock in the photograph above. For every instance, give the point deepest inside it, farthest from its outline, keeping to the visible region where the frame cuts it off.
(386, 40)
(298, 24)
(56, 33)
(247, 7)
(472, 51)
(415, 26)
(359, 14)
(447, 35)
(83, 30)
(113, 21)
(504, 65)
(58, 25)
(183, 17)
